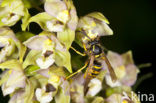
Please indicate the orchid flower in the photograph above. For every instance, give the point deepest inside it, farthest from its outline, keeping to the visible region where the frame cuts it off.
(9, 44)
(56, 87)
(13, 77)
(11, 11)
(51, 51)
(124, 67)
(122, 98)
(60, 17)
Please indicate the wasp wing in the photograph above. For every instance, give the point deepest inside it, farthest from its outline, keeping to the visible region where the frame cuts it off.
(111, 71)
(87, 75)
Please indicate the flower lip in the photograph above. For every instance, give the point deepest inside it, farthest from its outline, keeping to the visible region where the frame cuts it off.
(50, 88)
(48, 53)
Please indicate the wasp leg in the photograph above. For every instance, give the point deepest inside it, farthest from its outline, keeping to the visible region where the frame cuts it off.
(78, 71)
(78, 52)
(84, 46)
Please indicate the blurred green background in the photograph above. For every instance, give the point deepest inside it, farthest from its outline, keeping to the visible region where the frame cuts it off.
(133, 23)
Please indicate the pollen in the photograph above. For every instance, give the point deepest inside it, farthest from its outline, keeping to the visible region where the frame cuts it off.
(10, 71)
(122, 67)
(92, 35)
(120, 71)
(54, 79)
(63, 16)
(93, 24)
(48, 42)
(65, 12)
(124, 101)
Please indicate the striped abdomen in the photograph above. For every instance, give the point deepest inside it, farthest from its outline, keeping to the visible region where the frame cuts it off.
(95, 69)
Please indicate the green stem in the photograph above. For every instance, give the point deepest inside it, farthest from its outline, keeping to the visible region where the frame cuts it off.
(145, 65)
(141, 79)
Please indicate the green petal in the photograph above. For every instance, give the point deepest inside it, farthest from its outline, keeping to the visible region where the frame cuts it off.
(128, 58)
(38, 80)
(59, 71)
(98, 16)
(25, 20)
(61, 97)
(98, 100)
(4, 77)
(110, 91)
(66, 37)
(31, 70)
(21, 50)
(62, 58)
(31, 58)
(23, 36)
(101, 75)
(29, 92)
(16, 6)
(40, 18)
(32, 3)
(11, 64)
(78, 39)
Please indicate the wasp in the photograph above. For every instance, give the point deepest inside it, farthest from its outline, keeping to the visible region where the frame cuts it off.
(95, 52)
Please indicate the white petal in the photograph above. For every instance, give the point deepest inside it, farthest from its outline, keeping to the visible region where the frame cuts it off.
(8, 20)
(16, 80)
(55, 7)
(58, 44)
(43, 97)
(36, 42)
(110, 82)
(44, 72)
(5, 52)
(17, 97)
(115, 59)
(7, 90)
(44, 64)
(47, 98)
(95, 86)
(5, 34)
(54, 27)
(38, 93)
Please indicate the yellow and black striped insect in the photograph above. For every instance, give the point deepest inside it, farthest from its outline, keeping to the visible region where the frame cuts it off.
(90, 42)
(95, 52)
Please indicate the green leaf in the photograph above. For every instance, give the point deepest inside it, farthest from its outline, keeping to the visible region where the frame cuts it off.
(31, 70)
(61, 97)
(11, 64)
(40, 18)
(63, 58)
(31, 58)
(66, 37)
(23, 36)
